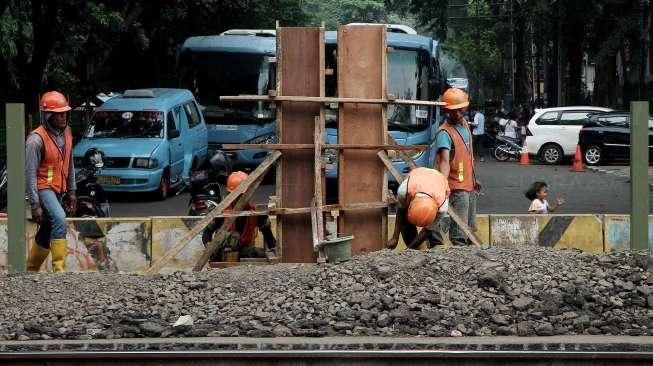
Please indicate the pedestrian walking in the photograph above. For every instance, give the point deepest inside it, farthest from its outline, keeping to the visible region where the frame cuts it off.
(455, 161)
(538, 194)
(50, 173)
(478, 132)
(422, 201)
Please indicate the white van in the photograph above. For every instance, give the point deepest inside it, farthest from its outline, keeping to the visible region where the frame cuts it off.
(552, 133)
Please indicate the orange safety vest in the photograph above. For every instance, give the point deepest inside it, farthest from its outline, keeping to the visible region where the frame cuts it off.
(427, 181)
(461, 173)
(55, 164)
(250, 231)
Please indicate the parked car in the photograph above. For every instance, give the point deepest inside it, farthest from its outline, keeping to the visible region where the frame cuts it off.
(151, 139)
(552, 133)
(606, 138)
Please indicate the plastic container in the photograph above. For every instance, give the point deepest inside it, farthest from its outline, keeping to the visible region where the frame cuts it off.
(338, 249)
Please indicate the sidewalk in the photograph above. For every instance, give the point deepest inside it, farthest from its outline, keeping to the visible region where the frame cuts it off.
(620, 171)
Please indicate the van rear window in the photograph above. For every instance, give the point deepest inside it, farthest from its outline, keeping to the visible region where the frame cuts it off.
(126, 124)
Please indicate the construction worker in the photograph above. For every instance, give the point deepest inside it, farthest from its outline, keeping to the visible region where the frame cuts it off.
(242, 235)
(422, 201)
(50, 173)
(455, 160)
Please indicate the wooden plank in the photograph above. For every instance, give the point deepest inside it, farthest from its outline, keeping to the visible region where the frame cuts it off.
(326, 146)
(226, 202)
(407, 159)
(219, 236)
(391, 167)
(327, 100)
(318, 177)
(298, 67)
(361, 74)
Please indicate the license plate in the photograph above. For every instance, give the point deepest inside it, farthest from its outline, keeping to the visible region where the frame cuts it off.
(109, 180)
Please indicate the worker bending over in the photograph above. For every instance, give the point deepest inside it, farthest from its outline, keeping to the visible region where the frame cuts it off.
(422, 201)
(49, 174)
(242, 234)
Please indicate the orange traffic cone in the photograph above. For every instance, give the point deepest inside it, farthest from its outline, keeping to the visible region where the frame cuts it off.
(523, 158)
(578, 165)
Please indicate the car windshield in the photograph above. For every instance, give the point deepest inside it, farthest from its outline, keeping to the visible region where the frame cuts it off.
(123, 124)
(213, 74)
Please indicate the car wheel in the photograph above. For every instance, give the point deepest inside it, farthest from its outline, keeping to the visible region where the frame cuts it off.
(551, 154)
(164, 187)
(593, 155)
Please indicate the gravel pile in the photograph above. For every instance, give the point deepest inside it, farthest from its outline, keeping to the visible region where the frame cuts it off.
(459, 292)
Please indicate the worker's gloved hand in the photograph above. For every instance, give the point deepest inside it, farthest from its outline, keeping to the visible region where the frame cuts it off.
(72, 201)
(392, 243)
(37, 215)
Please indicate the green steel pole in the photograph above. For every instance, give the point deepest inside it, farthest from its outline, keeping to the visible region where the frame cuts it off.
(16, 186)
(639, 190)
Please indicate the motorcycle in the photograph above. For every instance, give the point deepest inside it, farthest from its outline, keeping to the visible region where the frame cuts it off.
(506, 148)
(205, 191)
(92, 200)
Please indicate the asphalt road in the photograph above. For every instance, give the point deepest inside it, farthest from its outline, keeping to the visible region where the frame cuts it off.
(504, 184)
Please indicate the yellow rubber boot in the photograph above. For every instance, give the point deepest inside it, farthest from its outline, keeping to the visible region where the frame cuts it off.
(59, 249)
(37, 255)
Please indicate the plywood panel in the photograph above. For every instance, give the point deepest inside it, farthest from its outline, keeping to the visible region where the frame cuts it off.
(361, 175)
(298, 73)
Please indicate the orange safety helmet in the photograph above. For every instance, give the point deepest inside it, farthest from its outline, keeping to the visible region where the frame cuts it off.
(455, 98)
(235, 179)
(53, 101)
(422, 211)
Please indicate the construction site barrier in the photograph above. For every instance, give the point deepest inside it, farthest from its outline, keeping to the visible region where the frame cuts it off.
(131, 244)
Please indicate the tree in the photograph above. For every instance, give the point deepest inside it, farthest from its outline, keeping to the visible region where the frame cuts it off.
(79, 46)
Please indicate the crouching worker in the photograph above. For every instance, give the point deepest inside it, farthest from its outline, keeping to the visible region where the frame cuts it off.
(241, 236)
(49, 174)
(422, 201)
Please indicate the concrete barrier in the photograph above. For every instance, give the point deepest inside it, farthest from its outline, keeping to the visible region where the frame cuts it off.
(583, 232)
(96, 244)
(616, 231)
(130, 244)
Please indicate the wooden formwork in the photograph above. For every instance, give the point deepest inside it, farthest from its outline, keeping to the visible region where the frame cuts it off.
(362, 73)
(299, 73)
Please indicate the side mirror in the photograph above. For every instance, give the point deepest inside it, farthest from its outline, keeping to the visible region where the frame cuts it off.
(173, 134)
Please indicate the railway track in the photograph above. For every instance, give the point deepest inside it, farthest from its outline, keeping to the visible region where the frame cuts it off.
(320, 358)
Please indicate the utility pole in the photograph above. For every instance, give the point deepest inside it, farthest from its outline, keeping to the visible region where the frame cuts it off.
(559, 57)
(512, 57)
(639, 190)
(478, 47)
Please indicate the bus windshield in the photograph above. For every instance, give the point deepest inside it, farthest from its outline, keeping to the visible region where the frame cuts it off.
(210, 75)
(408, 79)
(408, 75)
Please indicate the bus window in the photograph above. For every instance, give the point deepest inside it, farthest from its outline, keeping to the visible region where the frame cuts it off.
(408, 79)
(210, 75)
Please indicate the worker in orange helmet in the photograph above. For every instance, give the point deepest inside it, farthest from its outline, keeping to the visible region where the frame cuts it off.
(50, 173)
(455, 160)
(422, 201)
(243, 233)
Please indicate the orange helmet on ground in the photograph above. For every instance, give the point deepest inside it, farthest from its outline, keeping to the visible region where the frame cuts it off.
(422, 211)
(455, 98)
(54, 101)
(235, 179)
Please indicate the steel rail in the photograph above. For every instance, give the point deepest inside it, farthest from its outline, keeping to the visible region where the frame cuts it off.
(331, 354)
